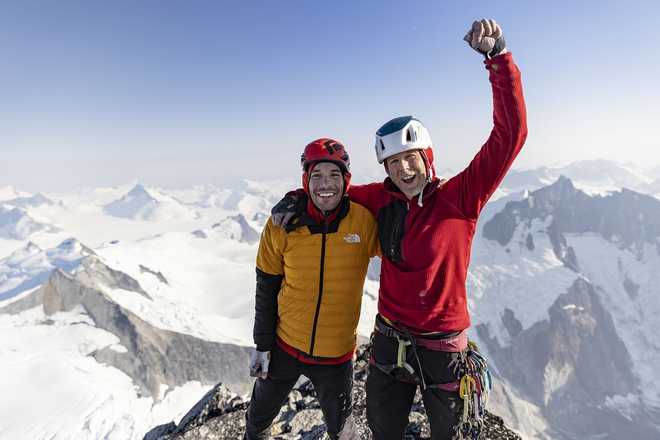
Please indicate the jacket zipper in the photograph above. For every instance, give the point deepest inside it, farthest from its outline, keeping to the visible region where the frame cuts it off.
(318, 302)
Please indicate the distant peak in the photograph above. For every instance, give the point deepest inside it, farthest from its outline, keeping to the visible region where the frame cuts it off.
(137, 190)
(73, 245)
(563, 180)
(239, 218)
(561, 189)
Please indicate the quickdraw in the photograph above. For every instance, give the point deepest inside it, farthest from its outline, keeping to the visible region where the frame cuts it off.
(475, 386)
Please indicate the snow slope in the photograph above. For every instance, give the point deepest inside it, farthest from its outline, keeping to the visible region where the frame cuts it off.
(30, 266)
(17, 224)
(60, 392)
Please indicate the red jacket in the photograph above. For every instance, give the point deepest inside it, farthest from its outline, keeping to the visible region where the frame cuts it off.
(426, 250)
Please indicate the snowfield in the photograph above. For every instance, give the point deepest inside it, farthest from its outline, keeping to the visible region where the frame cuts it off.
(58, 391)
(193, 252)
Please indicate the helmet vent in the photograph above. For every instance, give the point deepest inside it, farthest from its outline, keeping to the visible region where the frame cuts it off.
(411, 135)
(382, 145)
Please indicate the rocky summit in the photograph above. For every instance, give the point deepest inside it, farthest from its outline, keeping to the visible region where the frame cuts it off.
(220, 415)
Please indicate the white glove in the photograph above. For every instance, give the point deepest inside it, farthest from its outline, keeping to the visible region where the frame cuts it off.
(259, 361)
(485, 37)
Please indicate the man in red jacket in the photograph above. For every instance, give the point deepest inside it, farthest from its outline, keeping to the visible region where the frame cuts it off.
(425, 228)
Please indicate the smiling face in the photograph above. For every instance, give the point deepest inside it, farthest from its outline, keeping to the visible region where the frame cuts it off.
(326, 185)
(407, 171)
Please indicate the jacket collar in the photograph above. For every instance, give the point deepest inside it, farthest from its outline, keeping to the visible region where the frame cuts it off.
(313, 218)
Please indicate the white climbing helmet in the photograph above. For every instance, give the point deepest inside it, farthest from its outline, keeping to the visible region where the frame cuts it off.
(401, 134)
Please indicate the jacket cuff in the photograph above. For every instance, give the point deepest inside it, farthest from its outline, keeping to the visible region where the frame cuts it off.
(502, 66)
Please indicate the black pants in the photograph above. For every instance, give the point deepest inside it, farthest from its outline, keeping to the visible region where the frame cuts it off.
(389, 400)
(333, 385)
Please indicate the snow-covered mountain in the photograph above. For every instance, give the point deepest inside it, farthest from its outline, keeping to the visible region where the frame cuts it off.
(142, 204)
(237, 228)
(562, 291)
(30, 266)
(564, 297)
(17, 224)
(30, 201)
(136, 336)
(112, 311)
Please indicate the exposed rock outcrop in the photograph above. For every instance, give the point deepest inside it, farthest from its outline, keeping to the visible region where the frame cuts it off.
(159, 275)
(220, 415)
(626, 218)
(153, 356)
(570, 365)
(96, 273)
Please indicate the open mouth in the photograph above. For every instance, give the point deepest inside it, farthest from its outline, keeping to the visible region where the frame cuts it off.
(326, 195)
(408, 179)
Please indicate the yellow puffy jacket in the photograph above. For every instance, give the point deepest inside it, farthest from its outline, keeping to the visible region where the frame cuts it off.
(322, 272)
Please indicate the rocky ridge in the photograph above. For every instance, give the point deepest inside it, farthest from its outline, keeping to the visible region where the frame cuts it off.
(151, 356)
(220, 415)
(626, 218)
(577, 365)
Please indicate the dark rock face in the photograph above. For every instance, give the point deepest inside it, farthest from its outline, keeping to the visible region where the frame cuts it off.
(159, 275)
(626, 218)
(511, 323)
(570, 364)
(199, 233)
(221, 415)
(153, 356)
(96, 272)
(631, 287)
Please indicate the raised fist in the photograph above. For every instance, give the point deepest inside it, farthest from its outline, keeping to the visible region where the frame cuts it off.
(485, 37)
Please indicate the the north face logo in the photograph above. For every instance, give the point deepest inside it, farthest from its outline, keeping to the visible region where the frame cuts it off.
(352, 238)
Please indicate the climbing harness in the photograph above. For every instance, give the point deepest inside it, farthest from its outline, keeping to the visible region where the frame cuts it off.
(404, 371)
(474, 383)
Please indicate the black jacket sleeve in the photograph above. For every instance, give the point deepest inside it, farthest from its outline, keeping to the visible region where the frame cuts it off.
(265, 317)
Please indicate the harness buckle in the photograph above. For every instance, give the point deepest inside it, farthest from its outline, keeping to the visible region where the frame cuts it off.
(401, 355)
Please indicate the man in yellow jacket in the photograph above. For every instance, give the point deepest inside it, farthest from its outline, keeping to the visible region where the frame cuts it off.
(310, 280)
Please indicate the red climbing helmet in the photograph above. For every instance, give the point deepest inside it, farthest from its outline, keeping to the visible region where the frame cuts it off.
(325, 150)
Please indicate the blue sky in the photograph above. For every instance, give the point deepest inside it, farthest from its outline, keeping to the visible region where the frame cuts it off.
(174, 93)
